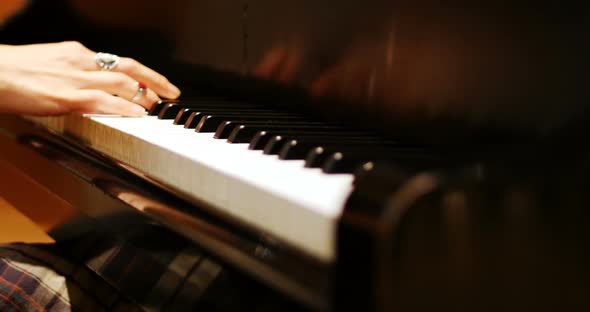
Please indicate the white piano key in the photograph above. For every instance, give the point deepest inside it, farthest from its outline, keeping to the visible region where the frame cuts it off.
(298, 205)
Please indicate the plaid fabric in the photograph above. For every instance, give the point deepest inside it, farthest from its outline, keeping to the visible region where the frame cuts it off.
(33, 279)
(148, 272)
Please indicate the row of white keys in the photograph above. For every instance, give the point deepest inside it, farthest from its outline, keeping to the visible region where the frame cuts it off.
(298, 205)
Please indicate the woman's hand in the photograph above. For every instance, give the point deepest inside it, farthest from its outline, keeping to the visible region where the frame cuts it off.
(59, 78)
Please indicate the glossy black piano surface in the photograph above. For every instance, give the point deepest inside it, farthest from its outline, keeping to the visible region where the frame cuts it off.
(475, 197)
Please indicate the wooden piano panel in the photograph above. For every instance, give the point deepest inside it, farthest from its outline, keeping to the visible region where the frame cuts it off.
(44, 192)
(25, 193)
(15, 227)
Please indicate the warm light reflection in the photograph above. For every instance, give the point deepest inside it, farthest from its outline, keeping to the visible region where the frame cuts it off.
(8, 8)
(431, 62)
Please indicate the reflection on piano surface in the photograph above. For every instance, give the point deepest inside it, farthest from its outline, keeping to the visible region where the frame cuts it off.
(350, 164)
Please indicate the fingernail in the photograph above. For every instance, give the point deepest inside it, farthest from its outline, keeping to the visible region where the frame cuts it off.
(175, 91)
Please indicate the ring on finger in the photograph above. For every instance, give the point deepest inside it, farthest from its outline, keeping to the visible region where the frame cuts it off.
(141, 91)
(106, 61)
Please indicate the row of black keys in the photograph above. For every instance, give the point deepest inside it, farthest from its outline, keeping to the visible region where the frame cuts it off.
(333, 148)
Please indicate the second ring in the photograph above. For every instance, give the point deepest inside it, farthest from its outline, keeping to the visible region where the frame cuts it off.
(141, 91)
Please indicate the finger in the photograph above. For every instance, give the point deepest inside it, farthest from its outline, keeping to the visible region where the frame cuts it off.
(347, 80)
(290, 66)
(119, 84)
(152, 79)
(324, 84)
(271, 63)
(147, 100)
(97, 101)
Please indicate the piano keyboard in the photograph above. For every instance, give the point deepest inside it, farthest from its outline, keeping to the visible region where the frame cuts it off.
(283, 173)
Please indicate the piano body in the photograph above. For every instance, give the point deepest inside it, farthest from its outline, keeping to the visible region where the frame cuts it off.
(333, 201)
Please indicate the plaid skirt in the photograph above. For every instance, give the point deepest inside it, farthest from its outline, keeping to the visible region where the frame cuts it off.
(157, 271)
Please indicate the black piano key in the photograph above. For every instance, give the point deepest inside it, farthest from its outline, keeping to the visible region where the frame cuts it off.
(349, 162)
(316, 156)
(343, 163)
(242, 134)
(296, 149)
(299, 148)
(259, 140)
(337, 137)
(210, 123)
(262, 138)
(169, 111)
(226, 129)
(338, 163)
(193, 121)
(364, 169)
(336, 149)
(403, 168)
(274, 145)
(247, 132)
(157, 107)
(183, 115)
(292, 150)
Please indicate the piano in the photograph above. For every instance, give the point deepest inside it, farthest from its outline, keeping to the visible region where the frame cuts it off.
(334, 201)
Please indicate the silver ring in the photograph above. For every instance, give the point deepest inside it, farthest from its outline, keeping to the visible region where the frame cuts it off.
(141, 91)
(106, 61)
